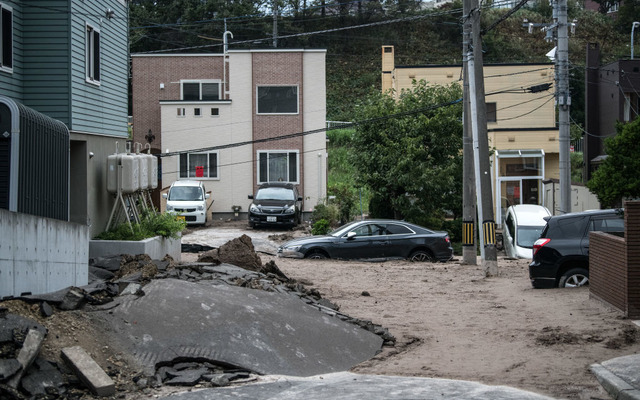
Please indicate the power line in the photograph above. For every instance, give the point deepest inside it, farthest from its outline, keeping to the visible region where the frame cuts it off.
(305, 133)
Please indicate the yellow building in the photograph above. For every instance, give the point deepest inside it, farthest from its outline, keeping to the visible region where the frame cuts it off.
(521, 122)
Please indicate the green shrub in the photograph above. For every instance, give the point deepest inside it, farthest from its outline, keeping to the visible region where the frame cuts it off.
(326, 212)
(152, 224)
(320, 227)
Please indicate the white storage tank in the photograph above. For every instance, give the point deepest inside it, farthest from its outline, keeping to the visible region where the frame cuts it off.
(153, 171)
(112, 173)
(143, 170)
(130, 173)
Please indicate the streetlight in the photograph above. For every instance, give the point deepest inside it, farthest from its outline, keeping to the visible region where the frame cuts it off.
(633, 27)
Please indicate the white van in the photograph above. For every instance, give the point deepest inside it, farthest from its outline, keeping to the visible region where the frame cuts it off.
(189, 200)
(522, 226)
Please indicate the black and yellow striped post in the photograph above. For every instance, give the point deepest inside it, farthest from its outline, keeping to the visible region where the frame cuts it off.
(489, 232)
(467, 233)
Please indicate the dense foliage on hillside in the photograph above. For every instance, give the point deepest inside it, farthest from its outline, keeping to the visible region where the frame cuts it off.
(354, 32)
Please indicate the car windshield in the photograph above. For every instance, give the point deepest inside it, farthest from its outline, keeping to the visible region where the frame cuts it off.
(185, 193)
(275, 193)
(344, 229)
(527, 235)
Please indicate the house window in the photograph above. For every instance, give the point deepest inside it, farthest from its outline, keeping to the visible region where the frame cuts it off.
(200, 90)
(491, 112)
(277, 99)
(196, 112)
(215, 112)
(92, 47)
(6, 36)
(180, 111)
(278, 166)
(199, 165)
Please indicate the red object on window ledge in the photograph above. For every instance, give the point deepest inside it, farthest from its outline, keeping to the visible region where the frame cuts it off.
(199, 172)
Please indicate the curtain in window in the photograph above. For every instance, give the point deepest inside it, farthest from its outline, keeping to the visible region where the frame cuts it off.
(278, 167)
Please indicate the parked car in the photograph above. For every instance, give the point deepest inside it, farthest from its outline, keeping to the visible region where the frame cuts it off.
(561, 254)
(275, 204)
(523, 224)
(373, 239)
(188, 199)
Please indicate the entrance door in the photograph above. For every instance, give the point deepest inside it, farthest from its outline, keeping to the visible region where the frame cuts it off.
(5, 155)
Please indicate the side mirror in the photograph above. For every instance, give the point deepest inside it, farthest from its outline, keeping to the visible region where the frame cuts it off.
(250, 197)
(299, 198)
(165, 195)
(351, 235)
(207, 195)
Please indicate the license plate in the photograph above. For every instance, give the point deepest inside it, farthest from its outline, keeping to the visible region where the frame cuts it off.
(180, 218)
(272, 219)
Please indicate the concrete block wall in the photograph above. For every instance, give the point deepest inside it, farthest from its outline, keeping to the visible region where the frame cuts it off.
(41, 255)
(614, 264)
(607, 269)
(632, 237)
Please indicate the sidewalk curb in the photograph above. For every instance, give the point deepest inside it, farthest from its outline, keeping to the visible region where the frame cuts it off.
(618, 388)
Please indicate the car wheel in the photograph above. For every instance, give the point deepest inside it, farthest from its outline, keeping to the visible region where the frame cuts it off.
(575, 277)
(317, 255)
(421, 256)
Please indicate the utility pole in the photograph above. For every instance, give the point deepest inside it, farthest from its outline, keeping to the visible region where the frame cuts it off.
(275, 24)
(469, 250)
(478, 107)
(563, 99)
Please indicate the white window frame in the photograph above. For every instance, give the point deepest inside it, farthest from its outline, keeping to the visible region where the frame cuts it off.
(287, 151)
(188, 155)
(6, 41)
(90, 57)
(197, 112)
(212, 115)
(258, 87)
(181, 112)
(200, 82)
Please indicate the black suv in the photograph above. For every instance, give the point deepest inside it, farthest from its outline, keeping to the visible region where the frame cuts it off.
(276, 204)
(561, 255)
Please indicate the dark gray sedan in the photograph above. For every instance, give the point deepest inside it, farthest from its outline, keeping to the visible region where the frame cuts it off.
(373, 239)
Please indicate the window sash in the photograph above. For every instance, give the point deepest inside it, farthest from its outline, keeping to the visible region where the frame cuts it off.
(277, 99)
(200, 91)
(189, 161)
(278, 166)
(491, 112)
(93, 54)
(6, 38)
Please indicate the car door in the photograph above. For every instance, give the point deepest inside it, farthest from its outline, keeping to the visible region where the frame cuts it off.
(365, 244)
(399, 240)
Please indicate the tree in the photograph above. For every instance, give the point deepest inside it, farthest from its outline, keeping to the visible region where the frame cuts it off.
(412, 161)
(618, 178)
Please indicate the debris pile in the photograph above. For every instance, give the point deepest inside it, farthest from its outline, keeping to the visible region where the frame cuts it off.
(25, 374)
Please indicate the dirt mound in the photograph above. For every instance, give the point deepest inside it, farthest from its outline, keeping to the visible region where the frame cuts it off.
(239, 252)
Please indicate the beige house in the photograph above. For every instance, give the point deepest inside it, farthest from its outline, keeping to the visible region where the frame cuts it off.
(521, 122)
(216, 118)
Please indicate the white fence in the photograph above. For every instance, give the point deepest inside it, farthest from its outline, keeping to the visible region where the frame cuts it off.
(41, 255)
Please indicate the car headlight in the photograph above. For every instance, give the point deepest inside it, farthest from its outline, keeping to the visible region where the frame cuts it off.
(253, 208)
(200, 208)
(169, 208)
(293, 247)
(290, 210)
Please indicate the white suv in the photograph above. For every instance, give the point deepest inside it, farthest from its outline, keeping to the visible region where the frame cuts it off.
(189, 200)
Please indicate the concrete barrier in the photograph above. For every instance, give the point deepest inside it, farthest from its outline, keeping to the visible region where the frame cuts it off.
(41, 255)
(156, 247)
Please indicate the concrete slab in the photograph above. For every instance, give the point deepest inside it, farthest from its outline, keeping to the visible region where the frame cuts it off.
(264, 332)
(28, 353)
(216, 237)
(348, 386)
(88, 371)
(620, 376)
